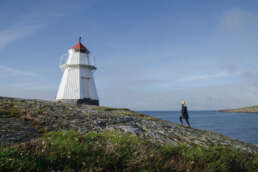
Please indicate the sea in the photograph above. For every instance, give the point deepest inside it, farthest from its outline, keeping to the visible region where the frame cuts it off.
(240, 126)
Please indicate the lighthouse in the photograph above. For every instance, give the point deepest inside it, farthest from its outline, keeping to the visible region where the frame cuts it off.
(77, 85)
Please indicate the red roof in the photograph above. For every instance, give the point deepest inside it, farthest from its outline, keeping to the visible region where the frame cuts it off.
(80, 47)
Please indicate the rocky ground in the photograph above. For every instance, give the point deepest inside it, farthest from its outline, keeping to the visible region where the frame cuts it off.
(22, 120)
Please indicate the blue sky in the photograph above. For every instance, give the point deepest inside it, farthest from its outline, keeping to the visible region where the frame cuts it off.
(150, 54)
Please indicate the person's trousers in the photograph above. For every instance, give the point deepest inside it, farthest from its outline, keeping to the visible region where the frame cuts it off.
(186, 119)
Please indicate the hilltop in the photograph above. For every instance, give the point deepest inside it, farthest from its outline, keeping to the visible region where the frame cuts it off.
(250, 109)
(32, 125)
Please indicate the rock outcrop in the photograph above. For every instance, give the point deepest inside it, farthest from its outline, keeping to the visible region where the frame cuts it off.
(22, 120)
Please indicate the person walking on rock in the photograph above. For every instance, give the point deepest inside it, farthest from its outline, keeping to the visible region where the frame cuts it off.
(184, 115)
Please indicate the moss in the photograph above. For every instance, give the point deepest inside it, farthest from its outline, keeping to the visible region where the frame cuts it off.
(39, 111)
(139, 115)
(9, 109)
(111, 151)
(4, 104)
(42, 130)
(107, 109)
(125, 112)
(10, 112)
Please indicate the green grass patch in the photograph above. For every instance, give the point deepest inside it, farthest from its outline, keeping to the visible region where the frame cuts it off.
(111, 151)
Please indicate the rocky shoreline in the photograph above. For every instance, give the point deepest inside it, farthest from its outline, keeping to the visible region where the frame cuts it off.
(22, 120)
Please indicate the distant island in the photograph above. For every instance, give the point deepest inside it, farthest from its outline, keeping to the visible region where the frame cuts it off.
(250, 109)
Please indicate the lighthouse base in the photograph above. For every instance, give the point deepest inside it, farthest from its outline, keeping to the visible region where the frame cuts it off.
(80, 101)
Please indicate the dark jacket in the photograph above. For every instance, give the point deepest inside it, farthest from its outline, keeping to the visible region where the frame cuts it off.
(185, 112)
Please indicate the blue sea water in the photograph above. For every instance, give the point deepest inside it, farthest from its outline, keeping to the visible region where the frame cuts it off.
(241, 126)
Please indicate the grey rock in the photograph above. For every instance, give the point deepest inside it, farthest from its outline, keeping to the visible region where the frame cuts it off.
(35, 117)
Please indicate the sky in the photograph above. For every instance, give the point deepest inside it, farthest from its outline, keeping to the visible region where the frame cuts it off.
(150, 54)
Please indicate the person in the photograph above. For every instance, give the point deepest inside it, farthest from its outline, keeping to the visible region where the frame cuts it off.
(184, 115)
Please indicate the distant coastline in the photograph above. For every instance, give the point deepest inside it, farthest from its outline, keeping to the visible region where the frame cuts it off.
(250, 109)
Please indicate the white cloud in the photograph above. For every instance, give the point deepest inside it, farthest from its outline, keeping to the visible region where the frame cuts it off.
(16, 72)
(205, 76)
(16, 32)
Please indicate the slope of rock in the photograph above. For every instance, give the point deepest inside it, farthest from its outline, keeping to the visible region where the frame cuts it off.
(22, 120)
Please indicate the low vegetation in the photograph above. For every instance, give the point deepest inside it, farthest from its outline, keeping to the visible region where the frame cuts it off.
(9, 109)
(111, 151)
(125, 112)
(108, 109)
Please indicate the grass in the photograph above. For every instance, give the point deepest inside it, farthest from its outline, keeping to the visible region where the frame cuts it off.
(111, 151)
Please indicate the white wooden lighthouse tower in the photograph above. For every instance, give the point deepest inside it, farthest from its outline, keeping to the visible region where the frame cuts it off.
(77, 85)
